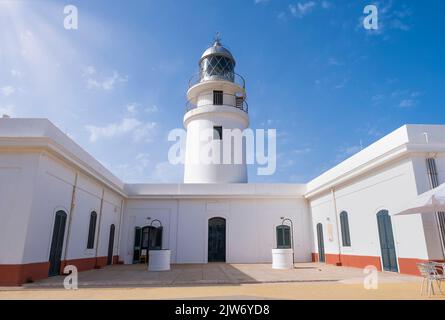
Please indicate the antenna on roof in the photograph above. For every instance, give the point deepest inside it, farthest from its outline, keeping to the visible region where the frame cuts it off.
(217, 39)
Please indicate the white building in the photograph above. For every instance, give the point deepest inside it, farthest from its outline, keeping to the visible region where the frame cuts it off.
(60, 206)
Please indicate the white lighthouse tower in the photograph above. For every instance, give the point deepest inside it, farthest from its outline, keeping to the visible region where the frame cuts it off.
(216, 101)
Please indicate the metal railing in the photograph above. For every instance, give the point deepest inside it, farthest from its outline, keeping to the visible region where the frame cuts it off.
(238, 79)
(240, 104)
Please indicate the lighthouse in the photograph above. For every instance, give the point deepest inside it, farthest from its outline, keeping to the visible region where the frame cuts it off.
(216, 106)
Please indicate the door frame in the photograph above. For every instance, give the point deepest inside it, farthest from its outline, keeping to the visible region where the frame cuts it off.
(207, 238)
(111, 238)
(64, 214)
(322, 242)
(380, 245)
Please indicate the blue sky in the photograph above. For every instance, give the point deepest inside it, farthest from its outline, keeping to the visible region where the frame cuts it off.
(117, 84)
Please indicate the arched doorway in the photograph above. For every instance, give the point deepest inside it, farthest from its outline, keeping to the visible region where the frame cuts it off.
(110, 245)
(55, 254)
(146, 238)
(320, 240)
(387, 244)
(217, 240)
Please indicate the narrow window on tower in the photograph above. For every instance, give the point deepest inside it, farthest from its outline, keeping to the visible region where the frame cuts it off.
(217, 133)
(217, 98)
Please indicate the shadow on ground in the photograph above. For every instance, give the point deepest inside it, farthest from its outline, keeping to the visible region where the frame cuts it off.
(215, 274)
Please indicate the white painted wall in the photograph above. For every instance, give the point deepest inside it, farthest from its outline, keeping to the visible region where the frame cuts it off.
(429, 221)
(203, 119)
(386, 188)
(17, 176)
(250, 227)
(34, 186)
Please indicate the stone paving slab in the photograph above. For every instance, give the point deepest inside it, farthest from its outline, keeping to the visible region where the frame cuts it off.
(217, 274)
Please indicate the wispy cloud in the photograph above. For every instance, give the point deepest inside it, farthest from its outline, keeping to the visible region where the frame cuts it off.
(408, 99)
(398, 98)
(347, 151)
(407, 103)
(8, 110)
(333, 62)
(326, 4)
(16, 73)
(132, 108)
(301, 151)
(299, 10)
(105, 83)
(151, 109)
(7, 91)
(166, 172)
(139, 130)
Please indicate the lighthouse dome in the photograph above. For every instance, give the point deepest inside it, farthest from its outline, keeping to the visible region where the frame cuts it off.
(217, 49)
(217, 63)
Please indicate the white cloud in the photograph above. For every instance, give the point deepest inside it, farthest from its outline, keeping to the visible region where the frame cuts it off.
(302, 151)
(407, 98)
(138, 130)
(143, 159)
(7, 91)
(145, 132)
(333, 62)
(89, 71)
(352, 150)
(142, 169)
(16, 73)
(301, 9)
(374, 132)
(7, 110)
(326, 4)
(106, 84)
(151, 109)
(132, 108)
(347, 151)
(281, 15)
(407, 103)
(377, 98)
(166, 172)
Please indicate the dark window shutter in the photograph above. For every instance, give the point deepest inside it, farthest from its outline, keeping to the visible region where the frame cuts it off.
(344, 224)
(137, 244)
(217, 98)
(283, 237)
(92, 230)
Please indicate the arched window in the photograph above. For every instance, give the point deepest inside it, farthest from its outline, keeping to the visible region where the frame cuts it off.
(345, 236)
(92, 230)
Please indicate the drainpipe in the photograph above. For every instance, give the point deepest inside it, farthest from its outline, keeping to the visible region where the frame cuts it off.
(98, 228)
(70, 219)
(334, 200)
(119, 230)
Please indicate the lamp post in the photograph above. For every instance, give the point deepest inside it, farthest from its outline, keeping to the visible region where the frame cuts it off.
(156, 220)
(283, 219)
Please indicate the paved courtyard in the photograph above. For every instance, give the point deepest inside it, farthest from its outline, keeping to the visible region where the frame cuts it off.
(223, 281)
(216, 273)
